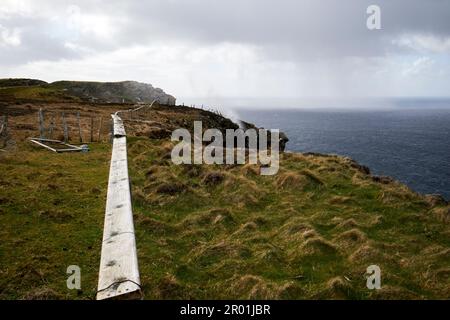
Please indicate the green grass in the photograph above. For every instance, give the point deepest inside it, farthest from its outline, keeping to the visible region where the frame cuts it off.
(219, 232)
(44, 93)
(51, 213)
(300, 234)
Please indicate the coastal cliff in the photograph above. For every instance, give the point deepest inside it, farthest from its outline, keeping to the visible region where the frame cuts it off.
(214, 231)
(95, 92)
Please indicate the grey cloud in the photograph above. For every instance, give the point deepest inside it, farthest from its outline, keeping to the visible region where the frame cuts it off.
(326, 45)
(306, 28)
(287, 29)
(36, 42)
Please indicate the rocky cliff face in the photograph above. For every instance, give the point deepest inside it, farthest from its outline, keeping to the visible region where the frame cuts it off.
(116, 92)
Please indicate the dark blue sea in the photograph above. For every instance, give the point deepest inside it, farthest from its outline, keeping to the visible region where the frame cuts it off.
(411, 144)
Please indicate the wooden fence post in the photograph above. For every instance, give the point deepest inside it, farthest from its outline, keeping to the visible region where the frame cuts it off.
(4, 130)
(66, 132)
(100, 129)
(92, 129)
(52, 125)
(79, 127)
(41, 123)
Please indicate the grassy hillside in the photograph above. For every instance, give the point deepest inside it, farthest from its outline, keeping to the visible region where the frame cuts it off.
(211, 231)
(308, 232)
(31, 90)
(220, 232)
(20, 82)
(39, 93)
(51, 212)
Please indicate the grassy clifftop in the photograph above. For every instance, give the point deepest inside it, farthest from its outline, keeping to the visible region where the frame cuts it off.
(218, 231)
(308, 232)
(76, 91)
(20, 82)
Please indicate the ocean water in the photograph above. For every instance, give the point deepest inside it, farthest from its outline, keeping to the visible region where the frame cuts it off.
(411, 145)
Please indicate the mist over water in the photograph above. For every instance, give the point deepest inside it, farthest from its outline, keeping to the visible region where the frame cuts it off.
(410, 142)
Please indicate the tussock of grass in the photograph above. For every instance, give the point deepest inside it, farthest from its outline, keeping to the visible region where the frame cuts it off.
(254, 287)
(347, 224)
(367, 254)
(42, 293)
(213, 178)
(210, 217)
(395, 293)
(443, 214)
(313, 177)
(291, 180)
(170, 288)
(250, 169)
(351, 237)
(317, 246)
(339, 200)
(337, 288)
(192, 170)
(171, 188)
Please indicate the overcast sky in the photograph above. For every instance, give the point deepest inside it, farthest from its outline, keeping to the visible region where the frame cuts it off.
(233, 48)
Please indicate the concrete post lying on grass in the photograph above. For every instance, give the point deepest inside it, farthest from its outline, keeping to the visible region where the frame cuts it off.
(119, 272)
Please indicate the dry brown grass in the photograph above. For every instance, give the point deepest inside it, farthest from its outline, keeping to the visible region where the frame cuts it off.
(367, 254)
(351, 238)
(255, 287)
(317, 246)
(42, 293)
(336, 288)
(291, 180)
(443, 214)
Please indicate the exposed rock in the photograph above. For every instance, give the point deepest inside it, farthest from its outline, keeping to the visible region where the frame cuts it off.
(115, 92)
(317, 154)
(283, 139)
(383, 179)
(361, 168)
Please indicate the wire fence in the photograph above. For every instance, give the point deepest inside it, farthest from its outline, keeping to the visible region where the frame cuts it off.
(72, 126)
